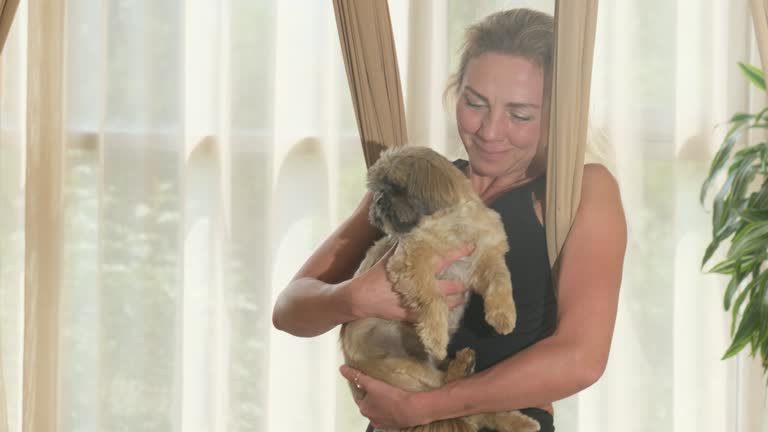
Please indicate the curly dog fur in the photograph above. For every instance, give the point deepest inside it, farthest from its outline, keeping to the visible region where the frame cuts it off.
(427, 209)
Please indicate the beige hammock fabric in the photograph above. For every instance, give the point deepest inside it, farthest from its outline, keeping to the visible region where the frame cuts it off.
(7, 11)
(43, 215)
(368, 48)
(574, 46)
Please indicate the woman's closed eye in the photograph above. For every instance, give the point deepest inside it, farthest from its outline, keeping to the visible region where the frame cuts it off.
(473, 103)
(520, 116)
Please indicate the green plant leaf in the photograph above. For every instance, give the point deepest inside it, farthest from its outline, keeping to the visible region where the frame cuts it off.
(709, 252)
(752, 238)
(754, 74)
(721, 157)
(744, 333)
(759, 199)
(754, 215)
(747, 235)
(740, 217)
(761, 114)
(722, 230)
(737, 305)
(733, 285)
(729, 266)
(733, 224)
(751, 323)
(741, 117)
(721, 206)
(731, 197)
(740, 266)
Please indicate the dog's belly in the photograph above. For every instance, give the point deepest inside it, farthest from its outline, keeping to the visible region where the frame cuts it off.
(377, 338)
(374, 338)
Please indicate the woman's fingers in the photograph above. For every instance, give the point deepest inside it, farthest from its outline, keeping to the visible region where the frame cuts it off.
(453, 302)
(356, 378)
(454, 256)
(448, 287)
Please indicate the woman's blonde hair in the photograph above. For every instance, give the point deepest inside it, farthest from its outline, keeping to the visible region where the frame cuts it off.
(521, 32)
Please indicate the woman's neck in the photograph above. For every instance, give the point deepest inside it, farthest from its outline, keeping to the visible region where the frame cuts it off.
(490, 187)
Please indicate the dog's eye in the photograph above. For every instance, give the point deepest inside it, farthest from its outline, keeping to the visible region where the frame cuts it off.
(397, 189)
(381, 198)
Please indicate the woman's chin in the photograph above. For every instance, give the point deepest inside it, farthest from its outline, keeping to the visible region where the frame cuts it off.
(488, 165)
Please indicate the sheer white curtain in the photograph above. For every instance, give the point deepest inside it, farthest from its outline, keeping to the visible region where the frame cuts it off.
(665, 74)
(211, 145)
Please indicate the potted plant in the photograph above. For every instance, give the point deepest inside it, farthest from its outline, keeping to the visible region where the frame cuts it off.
(740, 214)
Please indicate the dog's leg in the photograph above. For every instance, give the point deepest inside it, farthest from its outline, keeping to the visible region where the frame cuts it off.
(492, 281)
(511, 421)
(411, 272)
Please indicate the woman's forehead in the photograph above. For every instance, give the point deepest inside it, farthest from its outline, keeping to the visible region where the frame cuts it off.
(502, 76)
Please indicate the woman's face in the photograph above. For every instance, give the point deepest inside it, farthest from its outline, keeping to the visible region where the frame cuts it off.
(499, 113)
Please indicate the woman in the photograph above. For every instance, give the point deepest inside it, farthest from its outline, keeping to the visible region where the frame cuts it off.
(558, 348)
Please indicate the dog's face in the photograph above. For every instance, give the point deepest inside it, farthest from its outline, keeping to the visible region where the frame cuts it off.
(409, 183)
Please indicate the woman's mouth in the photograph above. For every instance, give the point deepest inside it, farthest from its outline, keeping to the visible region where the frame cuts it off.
(491, 150)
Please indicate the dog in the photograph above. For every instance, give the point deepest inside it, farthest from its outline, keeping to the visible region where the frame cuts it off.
(427, 208)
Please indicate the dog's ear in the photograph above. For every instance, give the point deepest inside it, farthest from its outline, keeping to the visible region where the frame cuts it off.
(435, 182)
(399, 209)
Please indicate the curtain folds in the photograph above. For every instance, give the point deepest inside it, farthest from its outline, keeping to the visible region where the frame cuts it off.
(195, 177)
(368, 48)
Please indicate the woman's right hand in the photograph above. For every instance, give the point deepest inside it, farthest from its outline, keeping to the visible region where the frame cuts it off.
(375, 297)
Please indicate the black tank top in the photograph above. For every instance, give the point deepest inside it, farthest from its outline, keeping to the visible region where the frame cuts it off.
(532, 288)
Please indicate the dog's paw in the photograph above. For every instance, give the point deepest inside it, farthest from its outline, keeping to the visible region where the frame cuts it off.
(502, 320)
(465, 360)
(437, 347)
(461, 366)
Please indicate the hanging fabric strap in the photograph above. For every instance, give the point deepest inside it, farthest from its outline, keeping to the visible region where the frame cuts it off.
(44, 215)
(575, 40)
(368, 48)
(7, 11)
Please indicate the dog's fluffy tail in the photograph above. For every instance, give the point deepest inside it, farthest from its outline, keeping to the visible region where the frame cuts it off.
(450, 425)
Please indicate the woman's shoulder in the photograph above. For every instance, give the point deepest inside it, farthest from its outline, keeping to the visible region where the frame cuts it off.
(598, 172)
(600, 204)
(598, 183)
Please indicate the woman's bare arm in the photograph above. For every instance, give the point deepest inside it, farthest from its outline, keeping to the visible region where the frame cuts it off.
(323, 294)
(320, 297)
(575, 356)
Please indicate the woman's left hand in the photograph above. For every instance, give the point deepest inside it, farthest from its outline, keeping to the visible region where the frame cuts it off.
(386, 406)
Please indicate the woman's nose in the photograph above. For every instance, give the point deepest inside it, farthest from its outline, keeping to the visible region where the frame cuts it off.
(492, 126)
